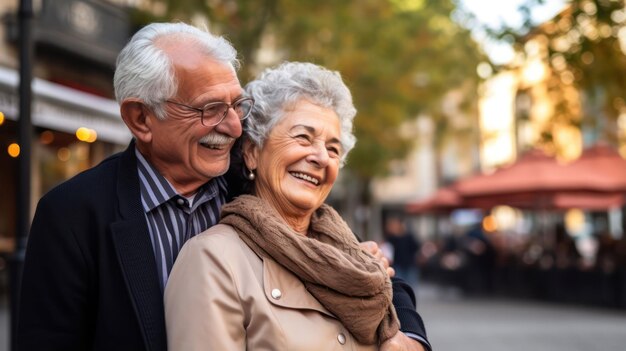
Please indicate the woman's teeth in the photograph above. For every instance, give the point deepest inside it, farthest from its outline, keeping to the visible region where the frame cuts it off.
(305, 177)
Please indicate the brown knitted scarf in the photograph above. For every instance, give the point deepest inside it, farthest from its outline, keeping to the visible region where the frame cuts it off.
(348, 281)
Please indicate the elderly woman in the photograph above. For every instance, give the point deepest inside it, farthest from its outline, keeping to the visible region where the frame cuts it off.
(282, 270)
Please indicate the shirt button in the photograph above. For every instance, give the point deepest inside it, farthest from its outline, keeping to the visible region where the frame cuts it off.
(180, 201)
(341, 338)
(276, 294)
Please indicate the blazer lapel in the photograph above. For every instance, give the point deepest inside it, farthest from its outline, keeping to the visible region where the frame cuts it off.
(132, 242)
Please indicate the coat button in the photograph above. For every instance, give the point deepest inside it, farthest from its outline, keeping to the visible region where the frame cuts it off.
(276, 294)
(341, 338)
(180, 201)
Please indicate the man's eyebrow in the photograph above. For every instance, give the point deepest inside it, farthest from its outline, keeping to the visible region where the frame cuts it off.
(213, 99)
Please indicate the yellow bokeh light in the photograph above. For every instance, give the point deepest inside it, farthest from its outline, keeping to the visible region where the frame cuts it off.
(93, 135)
(534, 72)
(82, 133)
(86, 134)
(506, 218)
(489, 224)
(13, 150)
(574, 221)
(1, 118)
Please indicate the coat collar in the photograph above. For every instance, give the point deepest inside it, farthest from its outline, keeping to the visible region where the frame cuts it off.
(132, 243)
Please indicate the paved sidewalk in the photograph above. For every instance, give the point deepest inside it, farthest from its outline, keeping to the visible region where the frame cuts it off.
(455, 323)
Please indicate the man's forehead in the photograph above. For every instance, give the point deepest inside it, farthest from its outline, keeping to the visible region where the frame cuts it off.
(168, 41)
(185, 52)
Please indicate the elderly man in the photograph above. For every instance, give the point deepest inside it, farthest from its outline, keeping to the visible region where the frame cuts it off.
(103, 243)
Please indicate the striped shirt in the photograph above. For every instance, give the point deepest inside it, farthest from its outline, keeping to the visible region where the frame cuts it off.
(172, 218)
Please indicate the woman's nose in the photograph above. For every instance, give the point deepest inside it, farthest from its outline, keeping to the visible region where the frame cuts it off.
(319, 155)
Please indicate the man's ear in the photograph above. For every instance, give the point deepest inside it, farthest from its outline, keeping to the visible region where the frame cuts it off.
(250, 154)
(137, 118)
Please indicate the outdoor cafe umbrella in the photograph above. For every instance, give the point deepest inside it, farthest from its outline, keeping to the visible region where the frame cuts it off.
(599, 168)
(523, 184)
(587, 200)
(601, 173)
(528, 183)
(597, 180)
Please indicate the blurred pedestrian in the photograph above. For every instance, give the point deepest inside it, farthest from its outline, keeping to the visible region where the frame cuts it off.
(565, 253)
(480, 255)
(404, 249)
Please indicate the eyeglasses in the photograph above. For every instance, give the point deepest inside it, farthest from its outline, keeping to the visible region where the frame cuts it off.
(214, 113)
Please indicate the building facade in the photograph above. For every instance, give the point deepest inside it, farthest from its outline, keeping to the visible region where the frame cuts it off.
(75, 120)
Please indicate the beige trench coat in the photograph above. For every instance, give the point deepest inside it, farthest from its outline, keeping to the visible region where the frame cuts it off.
(222, 296)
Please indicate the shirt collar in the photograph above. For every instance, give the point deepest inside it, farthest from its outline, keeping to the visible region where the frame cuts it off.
(156, 190)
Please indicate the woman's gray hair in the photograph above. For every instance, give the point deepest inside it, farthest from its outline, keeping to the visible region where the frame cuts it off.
(144, 71)
(280, 88)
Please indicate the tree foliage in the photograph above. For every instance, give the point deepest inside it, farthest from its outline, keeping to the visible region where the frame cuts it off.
(399, 57)
(586, 46)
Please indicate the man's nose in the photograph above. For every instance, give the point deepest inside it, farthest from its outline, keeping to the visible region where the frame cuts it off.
(231, 124)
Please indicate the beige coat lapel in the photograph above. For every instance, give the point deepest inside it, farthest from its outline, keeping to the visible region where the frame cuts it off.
(284, 289)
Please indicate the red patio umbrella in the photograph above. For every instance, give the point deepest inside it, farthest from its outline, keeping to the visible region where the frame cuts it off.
(587, 200)
(597, 180)
(599, 168)
(528, 182)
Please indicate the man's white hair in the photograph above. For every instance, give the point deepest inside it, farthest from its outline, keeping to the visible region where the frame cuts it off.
(145, 72)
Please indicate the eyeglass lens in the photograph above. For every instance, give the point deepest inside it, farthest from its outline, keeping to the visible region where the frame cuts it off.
(214, 113)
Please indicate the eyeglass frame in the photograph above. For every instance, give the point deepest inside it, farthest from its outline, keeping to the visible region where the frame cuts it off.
(214, 103)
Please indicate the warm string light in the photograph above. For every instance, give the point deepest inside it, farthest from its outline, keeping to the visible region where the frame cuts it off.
(489, 224)
(86, 134)
(14, 150)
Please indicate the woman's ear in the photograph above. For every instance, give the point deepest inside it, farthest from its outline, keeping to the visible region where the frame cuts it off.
(250, 154)
(137, 118)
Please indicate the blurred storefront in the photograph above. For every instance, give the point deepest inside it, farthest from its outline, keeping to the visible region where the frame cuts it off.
(76, 121)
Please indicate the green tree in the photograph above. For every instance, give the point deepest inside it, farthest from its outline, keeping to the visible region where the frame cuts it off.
(586, 45)
(399, 57)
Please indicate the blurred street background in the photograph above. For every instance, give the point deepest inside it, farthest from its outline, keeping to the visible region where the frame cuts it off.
(490, 162)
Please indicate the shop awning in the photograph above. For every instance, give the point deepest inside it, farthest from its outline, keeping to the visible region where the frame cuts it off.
(64, 109)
